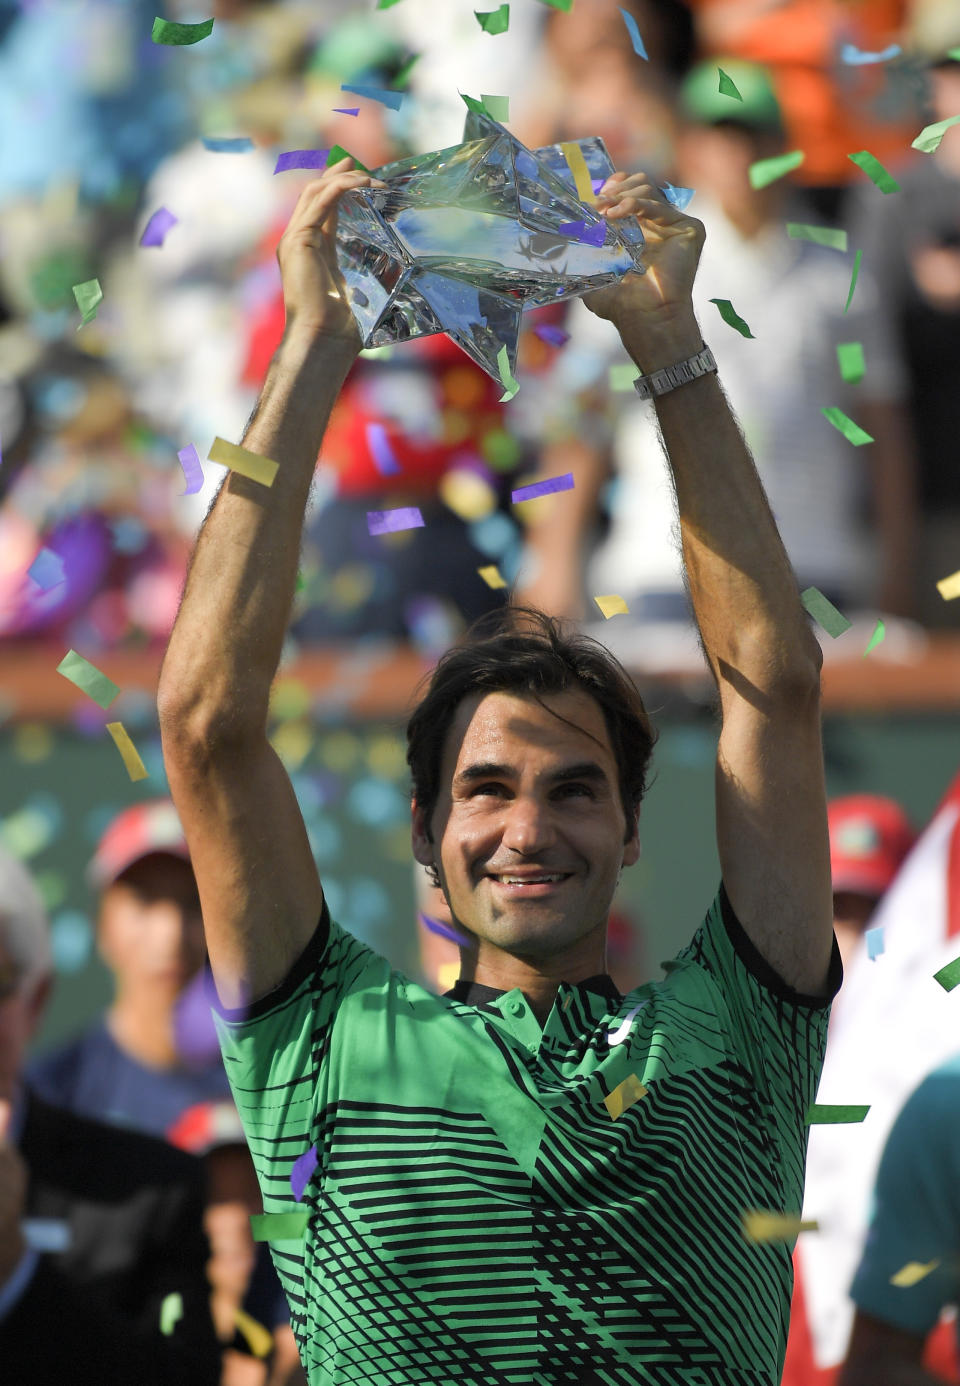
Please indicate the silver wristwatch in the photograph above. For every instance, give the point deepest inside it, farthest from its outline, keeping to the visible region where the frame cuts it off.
(662, 381)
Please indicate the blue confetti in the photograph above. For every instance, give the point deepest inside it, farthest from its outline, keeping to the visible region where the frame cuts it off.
(874, 938)
(393, 99)
(634, 33)
(241, 145)
(857, 57)
(47, 569)
(680, 197)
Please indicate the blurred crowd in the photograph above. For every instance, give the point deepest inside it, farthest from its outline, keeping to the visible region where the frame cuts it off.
(103, 128)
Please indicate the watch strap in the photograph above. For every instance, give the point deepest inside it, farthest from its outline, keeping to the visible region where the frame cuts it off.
(661, 382)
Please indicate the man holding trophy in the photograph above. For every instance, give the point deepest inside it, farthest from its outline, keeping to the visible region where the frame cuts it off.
(531, 1178)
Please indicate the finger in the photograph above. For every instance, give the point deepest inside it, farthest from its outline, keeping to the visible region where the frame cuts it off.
(6, 1115)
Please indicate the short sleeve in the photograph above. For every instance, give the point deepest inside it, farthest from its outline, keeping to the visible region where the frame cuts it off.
(274, 1051)
(778, 1034)
(916, 1211)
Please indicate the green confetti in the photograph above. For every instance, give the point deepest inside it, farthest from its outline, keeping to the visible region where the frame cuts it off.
(879, 634)
(510, 385)
(829, 236)
(833, 1114)
(728, 86)
(171, 1312)
(338, 152)
(853, 278)
(766, 171)
(279, 1227)
(930, 136)
(948, 976)
(731, 317)
(623, 375)
(824, 612)
(89, 296)
(494, 21)
(88, 678)
(875, 171)
(954, 53)
(386, 4)
(851, 362)
(497, 107)
(403, 75)
(167, 31)
(565, 5)
(851, 431)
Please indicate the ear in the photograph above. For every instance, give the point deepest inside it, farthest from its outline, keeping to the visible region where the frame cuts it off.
(424, 850)
(37, 1004)
(631, 848)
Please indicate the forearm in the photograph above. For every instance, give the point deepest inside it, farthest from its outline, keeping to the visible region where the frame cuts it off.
(228, 636)
(743, 589)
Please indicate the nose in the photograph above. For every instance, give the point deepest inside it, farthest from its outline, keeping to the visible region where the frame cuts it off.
(528, 825)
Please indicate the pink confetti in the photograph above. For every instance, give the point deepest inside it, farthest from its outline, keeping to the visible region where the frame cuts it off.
(192, 470)
(301, 158)
(543, 488)
(158, 226)
(347, 110)
(580, 231)
(381, 451)
(388, 521)
(303, 1167)
(554, 335)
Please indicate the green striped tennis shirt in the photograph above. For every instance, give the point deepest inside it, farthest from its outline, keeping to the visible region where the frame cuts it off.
(495, 1204)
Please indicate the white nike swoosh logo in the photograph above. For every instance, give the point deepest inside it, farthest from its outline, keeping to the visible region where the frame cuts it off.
(622, 1031)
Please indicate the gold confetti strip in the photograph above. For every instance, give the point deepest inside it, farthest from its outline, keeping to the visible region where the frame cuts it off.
(259, 1338)
(612, 605)
(760, 1226)
(624, 1095)
(492, 576)
(131, 756)
(238, 459)
(581, 174)
(949, 587)
(912, 1273)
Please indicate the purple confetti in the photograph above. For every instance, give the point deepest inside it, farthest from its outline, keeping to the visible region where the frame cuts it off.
(543, 488)
(346, 110)
(554, 335)
(597, 184)
(388, 521)
(381, 451)
(192, 470)
(580, 231)
(303, 1167)
(47, 569)
(302, 158)
(436, 926)
(157, 227)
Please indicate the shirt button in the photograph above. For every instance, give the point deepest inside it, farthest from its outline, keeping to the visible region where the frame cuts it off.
(517, 1008)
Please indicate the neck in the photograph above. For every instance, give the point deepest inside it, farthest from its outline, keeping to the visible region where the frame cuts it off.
(142, 1026)
(538, 982)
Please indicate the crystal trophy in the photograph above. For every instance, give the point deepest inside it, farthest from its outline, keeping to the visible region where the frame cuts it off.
(464, 239)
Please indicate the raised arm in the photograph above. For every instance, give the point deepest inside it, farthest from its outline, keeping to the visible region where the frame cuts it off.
(258, 883)
(771, 800)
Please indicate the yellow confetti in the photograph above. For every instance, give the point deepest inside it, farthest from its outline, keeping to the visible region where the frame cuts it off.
(912, 1273)
(238, 459)
(760, 1226)
(624, 1095)
(259, 1338)
(949, 587)
(131, 756)
(492, 576)
(612, 605)
(581, 174)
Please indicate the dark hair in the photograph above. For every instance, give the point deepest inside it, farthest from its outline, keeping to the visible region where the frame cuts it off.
(519, 650)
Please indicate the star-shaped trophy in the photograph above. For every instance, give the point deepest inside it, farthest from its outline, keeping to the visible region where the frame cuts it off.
(464, 239)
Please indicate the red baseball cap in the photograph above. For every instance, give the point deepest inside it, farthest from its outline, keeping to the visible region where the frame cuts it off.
(869, 838)
(137, 832)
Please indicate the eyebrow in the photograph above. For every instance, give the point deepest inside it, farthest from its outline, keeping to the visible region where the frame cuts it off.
(495, 770)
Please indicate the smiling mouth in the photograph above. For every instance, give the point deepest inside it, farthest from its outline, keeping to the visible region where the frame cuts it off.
(530, 884)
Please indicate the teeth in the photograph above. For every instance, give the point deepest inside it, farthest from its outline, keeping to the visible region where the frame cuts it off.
(527, 880)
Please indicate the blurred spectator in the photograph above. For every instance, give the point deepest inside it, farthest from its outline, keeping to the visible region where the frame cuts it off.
(249, 1307)
(845, 518)
(915, 1223)
(869, 838)
(126, 1068)
(911, 244)
(830, 107)
(127, 1209)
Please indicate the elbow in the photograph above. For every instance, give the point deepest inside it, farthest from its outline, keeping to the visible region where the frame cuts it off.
(786, 670)
(199, 723)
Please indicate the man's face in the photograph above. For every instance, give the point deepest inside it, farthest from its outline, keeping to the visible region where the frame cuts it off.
(151, 930)
(21, 1005)
(528, 829)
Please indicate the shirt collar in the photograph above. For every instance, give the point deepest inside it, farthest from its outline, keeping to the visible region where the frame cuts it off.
(476, 994)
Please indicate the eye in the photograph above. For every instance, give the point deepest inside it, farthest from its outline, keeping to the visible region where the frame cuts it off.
(575, 789)
(492, 788)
